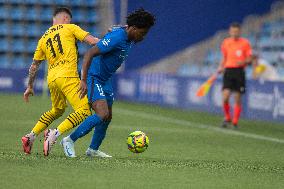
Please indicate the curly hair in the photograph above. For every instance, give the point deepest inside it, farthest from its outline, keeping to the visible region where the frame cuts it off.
(140, 19)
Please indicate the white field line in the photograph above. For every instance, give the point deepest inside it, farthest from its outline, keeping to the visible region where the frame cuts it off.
(165, 119)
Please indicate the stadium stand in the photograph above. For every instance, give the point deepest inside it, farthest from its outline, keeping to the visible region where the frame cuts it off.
(23, 22)
(266, 34)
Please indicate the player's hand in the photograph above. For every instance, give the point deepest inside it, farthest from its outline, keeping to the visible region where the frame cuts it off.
(82, 89)
(29, 91)
(220, 69)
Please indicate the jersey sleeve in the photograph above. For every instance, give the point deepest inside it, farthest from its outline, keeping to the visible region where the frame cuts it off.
(39, 53)
(78, 32)
(109, 42)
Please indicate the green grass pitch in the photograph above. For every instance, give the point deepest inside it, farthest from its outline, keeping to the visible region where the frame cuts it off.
(187, 150)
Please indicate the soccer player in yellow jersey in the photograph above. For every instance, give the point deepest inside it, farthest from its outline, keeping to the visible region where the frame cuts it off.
(58, 47)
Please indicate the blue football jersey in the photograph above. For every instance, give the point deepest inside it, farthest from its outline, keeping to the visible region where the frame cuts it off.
(114, 49)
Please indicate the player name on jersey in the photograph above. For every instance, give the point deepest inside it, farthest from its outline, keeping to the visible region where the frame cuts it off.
(51, 30)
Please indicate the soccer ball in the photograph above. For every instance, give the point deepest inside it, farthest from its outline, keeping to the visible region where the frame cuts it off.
(137, 142)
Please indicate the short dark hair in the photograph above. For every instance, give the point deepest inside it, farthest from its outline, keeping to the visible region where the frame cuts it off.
(62, 9)
(235, 25)
(140, 19)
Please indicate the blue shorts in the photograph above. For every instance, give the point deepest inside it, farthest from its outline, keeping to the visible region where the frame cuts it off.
(99, 91)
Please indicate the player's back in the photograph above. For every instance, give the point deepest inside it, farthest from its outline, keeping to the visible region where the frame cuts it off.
(58, 47)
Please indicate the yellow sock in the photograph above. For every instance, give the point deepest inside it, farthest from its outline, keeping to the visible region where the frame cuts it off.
(74, 119)
(46, 119)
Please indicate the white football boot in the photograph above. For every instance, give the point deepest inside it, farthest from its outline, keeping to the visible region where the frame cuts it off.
(68, 147)
(50, 136)
(96, 153)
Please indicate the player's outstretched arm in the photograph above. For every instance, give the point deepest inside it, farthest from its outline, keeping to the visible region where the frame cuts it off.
(92, 52)
(32, 74)
(91, 40)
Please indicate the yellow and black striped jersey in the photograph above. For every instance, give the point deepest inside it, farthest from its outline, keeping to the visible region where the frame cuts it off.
(58, 47)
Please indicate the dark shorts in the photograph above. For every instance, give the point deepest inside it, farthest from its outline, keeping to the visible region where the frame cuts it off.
(235, 80)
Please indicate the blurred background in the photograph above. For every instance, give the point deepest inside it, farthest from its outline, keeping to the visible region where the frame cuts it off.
(178, 54)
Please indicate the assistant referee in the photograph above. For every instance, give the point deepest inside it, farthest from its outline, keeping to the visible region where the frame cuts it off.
(237, 54)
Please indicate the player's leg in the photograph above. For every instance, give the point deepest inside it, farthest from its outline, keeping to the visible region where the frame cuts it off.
(58, 107)
(101, 115)
(99, 105)
(69, 87)
(226, 93)
(100, 132)
(240, 86)
(80, 106)
(226, 104)
(237, 109)
(95, 120)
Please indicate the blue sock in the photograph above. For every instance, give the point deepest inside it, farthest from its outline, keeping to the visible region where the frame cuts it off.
(85, 127)
(99, 135)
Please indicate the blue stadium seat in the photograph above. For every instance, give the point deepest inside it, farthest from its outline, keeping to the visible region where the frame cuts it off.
(32, 14)
(16, 1)
(76, 2)
(43, 28)
(79, 15)
(280, 70)
(46, 14)
(18, 13)
(92, 16)
(4, 12)
(62, 2)
(34, 30)
(31, 1)
(29, 59)
(18, 61)
(93, 30)
(82, 48)
(4, 61)
(18, 29)
(266, 26)
(4, 28)
(85, 2)
(4, 45)
(18, 45)
(31, 45)
(92, 2)
(47, 2)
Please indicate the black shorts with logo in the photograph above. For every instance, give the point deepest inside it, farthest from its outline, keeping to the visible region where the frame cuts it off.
(235, 79)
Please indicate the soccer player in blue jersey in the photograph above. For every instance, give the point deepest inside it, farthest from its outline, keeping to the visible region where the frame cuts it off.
(110, 52)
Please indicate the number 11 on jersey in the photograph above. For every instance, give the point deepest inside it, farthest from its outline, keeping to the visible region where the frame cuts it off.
(56, 39)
